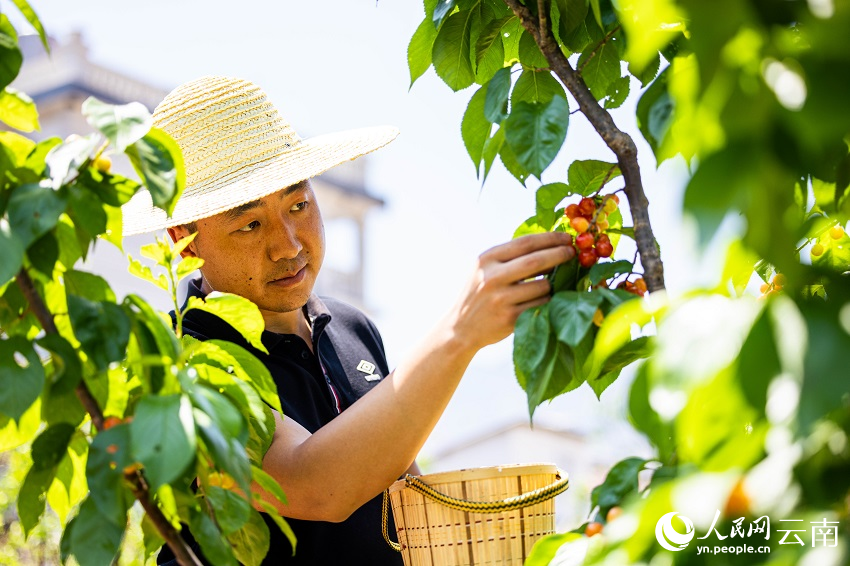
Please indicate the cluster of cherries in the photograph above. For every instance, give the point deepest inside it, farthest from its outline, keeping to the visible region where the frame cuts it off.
(836, 233)
(589, 218)
(770, 289)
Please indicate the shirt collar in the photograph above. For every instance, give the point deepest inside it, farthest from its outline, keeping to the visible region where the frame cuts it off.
(315, 310)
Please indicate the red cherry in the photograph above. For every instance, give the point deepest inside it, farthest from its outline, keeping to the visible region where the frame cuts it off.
(572, 211)
(584, 241)
(587, 257)
(604, 249)
(587, 206)
(592, 529)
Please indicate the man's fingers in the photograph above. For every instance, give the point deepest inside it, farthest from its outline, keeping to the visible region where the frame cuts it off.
(528, 291)
(525, 245)
(537, 262)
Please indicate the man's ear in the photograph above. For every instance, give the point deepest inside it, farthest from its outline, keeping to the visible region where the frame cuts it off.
(178, 233)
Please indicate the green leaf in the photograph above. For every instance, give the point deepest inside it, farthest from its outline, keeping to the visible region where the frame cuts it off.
(281, 523)
(451, 49)
(617, 93)
(108, 455)
(18, 110)
(572, 313)
(545, 549)
(44, 253)
(231, 509)
(88, 215)
(67, 369)
(161, 331)
(547, 198)
(13, 252)
(162, 437)
(251, 370)
(608, 269)
(268, 483)
(102, 329)
(209, 536)
(33, 211)
(14, 150)
(600, 68)
(531, 336)
(758, 362)
(532, 225)
(122, 124)
(648, 74)
(509, 160)
(94, 539)
(419, 50)
(113, 190)
(228, 454)
(536, 86)
(27, 11)
(47, 451)
(144, 272)
(188, 265)
(586, 177)
(644, 418)
(441, 9)
(621, 481)
(496, 101)
(251, 543)
(65, 160)
(222, 412)
(655, 114)
(530, 54)
(10, 55)
(572, 14)
(21, 378)
(70, 487)
(492, 147)
(565, 276)
(536, 132)
(490, 50)
(238, 312)
(14, 434)
(474, 127)
(633, 351)
(511, 32)
(836, 255)
(159, 163)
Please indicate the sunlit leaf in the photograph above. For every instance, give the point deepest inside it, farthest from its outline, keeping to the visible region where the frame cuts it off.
(536, 132)
(18, 110)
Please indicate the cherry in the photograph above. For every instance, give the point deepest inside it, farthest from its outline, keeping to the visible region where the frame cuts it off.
(580, 224)
(604, 248)
(110, 422)
(598, 317)
(572, 211)
(587, 206)
(613, 513)
(593, 529)
(587, 257)
(836, 232)
(584, 241)
(738, 503)
(817, 250)
(764, 288)
(779, 280)
(610, 204)
(640, 286)
(103, 164)
(602, 225)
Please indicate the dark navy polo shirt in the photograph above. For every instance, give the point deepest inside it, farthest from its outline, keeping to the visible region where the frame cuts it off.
(348, 362)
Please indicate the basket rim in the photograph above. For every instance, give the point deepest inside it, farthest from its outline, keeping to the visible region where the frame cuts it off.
(483, 473)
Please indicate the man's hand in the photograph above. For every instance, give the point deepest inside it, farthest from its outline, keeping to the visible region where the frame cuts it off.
(500, 289)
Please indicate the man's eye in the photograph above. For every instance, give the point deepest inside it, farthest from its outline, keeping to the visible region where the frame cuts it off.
(249, 227)
(300, 206)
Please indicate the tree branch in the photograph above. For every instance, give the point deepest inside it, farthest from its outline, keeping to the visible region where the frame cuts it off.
(618, 141)
(140, 490)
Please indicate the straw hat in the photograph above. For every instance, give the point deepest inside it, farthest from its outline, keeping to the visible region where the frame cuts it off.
(237, 149)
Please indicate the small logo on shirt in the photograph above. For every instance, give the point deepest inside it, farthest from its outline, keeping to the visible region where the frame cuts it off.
(369, 369)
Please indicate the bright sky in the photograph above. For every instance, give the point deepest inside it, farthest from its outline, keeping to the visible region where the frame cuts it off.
(332, 65)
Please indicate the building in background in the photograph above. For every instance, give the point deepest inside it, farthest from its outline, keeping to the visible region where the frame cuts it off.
(60, 82)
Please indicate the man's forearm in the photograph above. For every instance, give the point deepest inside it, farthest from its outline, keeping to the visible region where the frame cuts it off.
(374, 441)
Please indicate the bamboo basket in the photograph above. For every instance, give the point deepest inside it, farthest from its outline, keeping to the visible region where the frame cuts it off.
(474, 517)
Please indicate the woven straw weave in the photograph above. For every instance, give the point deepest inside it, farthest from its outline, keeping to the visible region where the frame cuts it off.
(237, 149)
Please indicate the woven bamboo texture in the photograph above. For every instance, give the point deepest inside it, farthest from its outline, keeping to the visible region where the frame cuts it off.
(433, 534)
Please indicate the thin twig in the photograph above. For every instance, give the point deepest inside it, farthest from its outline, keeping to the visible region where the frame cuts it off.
(619, 142)
(182, 552)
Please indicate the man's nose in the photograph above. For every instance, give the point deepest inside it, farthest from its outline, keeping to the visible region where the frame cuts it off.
(284, 242)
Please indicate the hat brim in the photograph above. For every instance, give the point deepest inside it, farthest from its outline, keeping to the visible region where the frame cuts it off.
(311, 157)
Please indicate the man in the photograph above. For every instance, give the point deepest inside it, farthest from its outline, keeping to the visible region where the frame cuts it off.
(260, 235)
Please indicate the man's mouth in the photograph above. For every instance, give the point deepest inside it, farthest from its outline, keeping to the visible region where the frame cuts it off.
(290, 279)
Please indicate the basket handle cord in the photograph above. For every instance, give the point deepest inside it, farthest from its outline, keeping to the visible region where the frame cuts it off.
(559, 486)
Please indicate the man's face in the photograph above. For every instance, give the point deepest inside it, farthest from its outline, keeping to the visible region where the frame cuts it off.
(269, 251)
